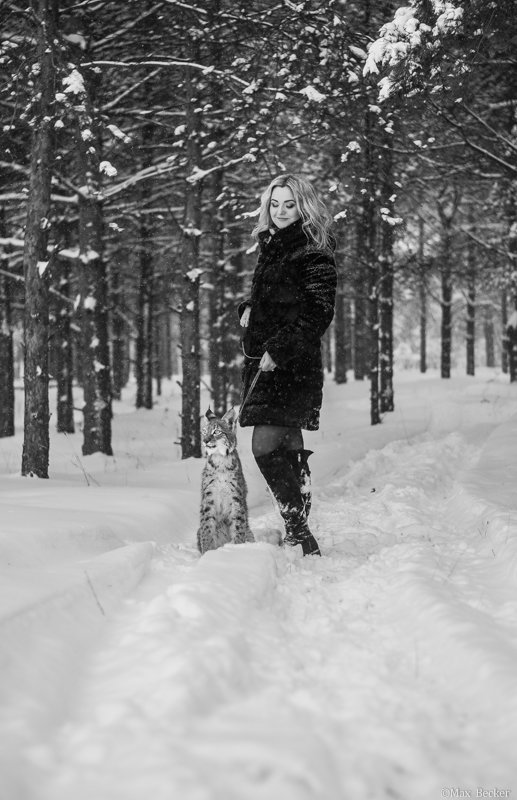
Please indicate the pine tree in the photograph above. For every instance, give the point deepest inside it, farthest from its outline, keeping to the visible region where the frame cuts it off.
(35, 457)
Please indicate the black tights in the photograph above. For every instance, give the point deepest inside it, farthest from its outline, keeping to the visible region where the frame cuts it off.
(267, 438)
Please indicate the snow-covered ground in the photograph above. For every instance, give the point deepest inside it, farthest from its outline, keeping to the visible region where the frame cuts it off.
(131, 668)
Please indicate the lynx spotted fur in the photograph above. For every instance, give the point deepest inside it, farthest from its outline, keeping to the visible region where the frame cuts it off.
(224, 509)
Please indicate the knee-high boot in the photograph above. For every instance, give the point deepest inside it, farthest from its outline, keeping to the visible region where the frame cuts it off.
(280, 475)
(300, 462)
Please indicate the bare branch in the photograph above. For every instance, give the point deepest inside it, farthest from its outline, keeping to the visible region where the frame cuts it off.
(129, 25)
(493, 131)
(126, 92)
(477, 148)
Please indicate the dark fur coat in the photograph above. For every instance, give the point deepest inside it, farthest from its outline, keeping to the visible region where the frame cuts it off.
(292, 305)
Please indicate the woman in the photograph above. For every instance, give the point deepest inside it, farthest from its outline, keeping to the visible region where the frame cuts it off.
(290, 308)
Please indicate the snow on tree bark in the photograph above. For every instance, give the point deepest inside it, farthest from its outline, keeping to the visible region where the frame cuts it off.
(218, 306)
(92, 279)
(118, 337)
(368, 225)
(145, 310)
(189, 318)
(63, 346)
(386, 399)
(35, 454)
(360, 320)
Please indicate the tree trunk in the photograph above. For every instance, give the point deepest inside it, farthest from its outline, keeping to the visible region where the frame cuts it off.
(446, 305)
(512, 270)
(189, 323)
(387, 393)
(93, 287)
(327, 349)
(144, 325)
(118, 335)
(167, 339)
(489, 331)
(446, 210)
(6, 346)
(375, 417)
(471, 304)
(512, 347)
(340, 348)
(361, 336)
(95, 353)
(422, 292)
(471, 329)
(190, 360)
(231, 342)
(63, 349)
(218, 306)
(368, 238)
(35, 455)
(387, 400)
(157, 354)
(221, 307)
(6, 362)
(504, 324)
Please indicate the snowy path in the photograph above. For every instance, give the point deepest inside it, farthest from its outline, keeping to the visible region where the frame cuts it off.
(385, 669)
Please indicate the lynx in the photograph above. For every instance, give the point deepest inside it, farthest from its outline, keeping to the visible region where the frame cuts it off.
(224, 509)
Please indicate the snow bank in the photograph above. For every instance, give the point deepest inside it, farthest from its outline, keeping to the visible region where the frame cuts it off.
(45, 643)
(384, 669)
(203, 679)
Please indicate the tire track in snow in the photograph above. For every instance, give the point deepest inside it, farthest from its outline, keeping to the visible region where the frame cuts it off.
(255, 676)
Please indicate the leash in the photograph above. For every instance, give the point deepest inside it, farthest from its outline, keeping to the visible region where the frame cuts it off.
(253, 384)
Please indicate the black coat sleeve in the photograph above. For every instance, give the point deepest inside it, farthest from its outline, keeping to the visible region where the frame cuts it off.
(317, 299)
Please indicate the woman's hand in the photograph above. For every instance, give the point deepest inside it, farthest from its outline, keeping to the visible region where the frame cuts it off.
(245, 317)
(266, 363)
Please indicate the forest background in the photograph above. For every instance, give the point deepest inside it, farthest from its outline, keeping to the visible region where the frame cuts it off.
(137, 138)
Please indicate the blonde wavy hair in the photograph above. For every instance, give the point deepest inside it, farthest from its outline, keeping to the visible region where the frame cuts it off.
(316, 219)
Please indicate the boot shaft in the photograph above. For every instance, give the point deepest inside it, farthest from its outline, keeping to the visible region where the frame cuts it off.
(300, 462)
(283, 479)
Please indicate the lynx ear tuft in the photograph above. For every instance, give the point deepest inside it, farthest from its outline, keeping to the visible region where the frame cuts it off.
(210, 414)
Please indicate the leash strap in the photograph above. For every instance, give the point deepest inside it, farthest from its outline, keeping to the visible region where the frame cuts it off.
(253, 384)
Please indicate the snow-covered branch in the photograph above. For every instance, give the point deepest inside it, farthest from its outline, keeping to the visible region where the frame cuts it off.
(199, 174)
(406, 34)
(168, 63)
(21, 196)
(9, 165)
(397, 39)
(207, 69)
(163, 168)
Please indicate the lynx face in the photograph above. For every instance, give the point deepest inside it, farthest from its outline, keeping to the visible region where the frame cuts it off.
(219, 434)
